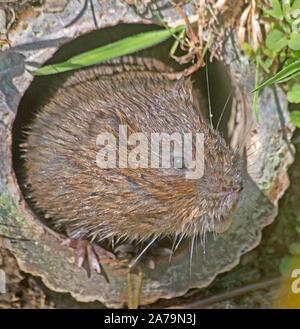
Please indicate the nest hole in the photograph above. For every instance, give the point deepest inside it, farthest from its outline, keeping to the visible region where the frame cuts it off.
(212, 86)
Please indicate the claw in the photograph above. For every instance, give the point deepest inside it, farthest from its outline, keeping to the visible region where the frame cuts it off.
(103, 253)
(93, 259)
(86, 250)
(125, 249)
(81, 251)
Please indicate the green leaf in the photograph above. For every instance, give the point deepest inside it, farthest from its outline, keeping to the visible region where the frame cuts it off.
(294, 42)
(296, 5)
(276, 9)
(296, 54)
(295, 118)
(294, 248)
(286, 9)
(284, 73)
(265, 64)
(298, 227)
(122, 47)
(286, 265)
(269, 53)
(293, 95)
(268, 63)
(276, 40)
(247, 49)
(282, 56)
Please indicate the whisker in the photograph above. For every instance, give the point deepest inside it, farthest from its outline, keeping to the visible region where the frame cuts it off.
(223, 111)
(135, 260)
(203, 236)
(172, 249)
(208, 90)
(250, 145)
(197, 244)
(180, 239)
(251, 166)
(113, 243)
(191, 253)
(252, 153)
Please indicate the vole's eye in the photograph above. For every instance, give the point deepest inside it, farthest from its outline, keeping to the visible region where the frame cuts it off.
(179, 163)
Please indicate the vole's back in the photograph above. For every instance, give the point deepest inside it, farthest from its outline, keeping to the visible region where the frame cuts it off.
(87, 201)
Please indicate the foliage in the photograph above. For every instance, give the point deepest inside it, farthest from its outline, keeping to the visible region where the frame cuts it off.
(121, 47)
(281, 50)
(288, 261)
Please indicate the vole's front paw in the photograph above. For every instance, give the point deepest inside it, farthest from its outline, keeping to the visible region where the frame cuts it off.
(90, 251)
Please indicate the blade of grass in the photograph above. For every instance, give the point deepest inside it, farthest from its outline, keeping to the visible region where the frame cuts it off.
(165, 25)
(288, 78)
(176, 42)
(210, 40)
(255, 97)
(178, 38)
(281, 75)
(122, 47)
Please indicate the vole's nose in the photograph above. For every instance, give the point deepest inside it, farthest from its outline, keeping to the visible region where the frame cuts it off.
(236, 188)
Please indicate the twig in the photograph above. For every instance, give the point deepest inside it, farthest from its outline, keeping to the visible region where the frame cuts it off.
(231, 293)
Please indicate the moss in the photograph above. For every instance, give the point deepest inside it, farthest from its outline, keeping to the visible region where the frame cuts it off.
(11, 223)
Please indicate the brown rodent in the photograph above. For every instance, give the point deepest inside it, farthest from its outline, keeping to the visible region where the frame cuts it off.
(91, 203)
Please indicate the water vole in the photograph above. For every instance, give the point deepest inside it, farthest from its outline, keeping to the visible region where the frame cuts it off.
(91, 203)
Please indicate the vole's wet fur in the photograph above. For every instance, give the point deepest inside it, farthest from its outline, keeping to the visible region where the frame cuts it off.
(91, 203)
